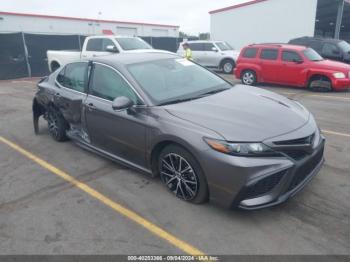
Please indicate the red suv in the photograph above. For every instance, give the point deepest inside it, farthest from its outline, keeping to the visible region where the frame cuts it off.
(290, 65)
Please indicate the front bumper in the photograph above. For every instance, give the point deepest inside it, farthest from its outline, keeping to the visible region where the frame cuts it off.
(341, 84)
(259, 182)
(287, 184)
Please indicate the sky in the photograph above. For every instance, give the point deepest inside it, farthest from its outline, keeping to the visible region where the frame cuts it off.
(191, 15)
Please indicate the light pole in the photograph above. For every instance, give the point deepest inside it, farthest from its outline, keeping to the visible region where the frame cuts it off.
(339, 19)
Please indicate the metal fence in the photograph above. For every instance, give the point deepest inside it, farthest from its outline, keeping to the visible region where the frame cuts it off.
(24, 54)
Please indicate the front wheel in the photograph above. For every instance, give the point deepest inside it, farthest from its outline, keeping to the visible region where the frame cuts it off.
(320, 84)
(182, 175)
(248, 77)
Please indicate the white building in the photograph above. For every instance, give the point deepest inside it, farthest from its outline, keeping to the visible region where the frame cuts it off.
(46, 24)
(278, 21)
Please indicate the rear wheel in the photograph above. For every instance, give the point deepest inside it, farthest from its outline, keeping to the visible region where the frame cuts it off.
(228, 66)
(57, 125)
(248, 77)
(182, 175)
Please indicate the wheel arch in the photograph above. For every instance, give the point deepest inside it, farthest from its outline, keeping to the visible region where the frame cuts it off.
(159, 145)
(255, 69)
(221, 64)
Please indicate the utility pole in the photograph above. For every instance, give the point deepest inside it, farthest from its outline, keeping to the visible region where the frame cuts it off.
(339, 19)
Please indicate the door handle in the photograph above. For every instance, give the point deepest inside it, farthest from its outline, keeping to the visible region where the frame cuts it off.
(91, 106)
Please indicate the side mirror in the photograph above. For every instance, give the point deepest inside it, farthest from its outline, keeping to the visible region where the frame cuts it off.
(214, 49)
(112, 49)
(122, 103)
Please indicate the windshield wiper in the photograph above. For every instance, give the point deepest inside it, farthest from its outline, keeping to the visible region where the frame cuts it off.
(176, 101)
(213, 92)
(193, 98)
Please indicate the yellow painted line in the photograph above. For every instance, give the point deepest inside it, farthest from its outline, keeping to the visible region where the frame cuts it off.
(173, 240)
(335, 133)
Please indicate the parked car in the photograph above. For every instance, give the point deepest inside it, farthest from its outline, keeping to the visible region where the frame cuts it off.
(290, 65)
(212, 54)
(169, 117)
(333, 49)
(96, 46)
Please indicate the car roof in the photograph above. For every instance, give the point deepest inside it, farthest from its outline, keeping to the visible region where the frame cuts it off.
(276, 45)
(112, 36)
(202, 41)
(320, 39)
(133, 58)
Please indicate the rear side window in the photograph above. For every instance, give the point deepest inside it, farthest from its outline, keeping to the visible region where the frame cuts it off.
(73, 76)
(269, 54)
(94, 44)
(108, 84)
(316, 45)
(196, 46)
(291, 56)
(250, 52)
(330, 50)
(208, 46)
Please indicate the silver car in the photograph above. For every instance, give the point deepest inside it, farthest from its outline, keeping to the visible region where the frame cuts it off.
(217, 55)
(169, 117)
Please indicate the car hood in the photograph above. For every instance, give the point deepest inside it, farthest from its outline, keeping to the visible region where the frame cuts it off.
(243, 113)
(334, 65)
(231, 53)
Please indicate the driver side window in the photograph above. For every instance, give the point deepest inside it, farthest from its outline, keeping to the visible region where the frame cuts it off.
(108, 84)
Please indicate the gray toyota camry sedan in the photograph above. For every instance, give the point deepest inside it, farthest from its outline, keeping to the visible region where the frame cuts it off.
(238, 146)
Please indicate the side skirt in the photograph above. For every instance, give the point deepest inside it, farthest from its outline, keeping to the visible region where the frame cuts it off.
(80, 142)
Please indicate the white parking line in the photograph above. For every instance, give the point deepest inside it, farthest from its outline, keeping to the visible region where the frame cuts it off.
(335, 133)
(332, 97)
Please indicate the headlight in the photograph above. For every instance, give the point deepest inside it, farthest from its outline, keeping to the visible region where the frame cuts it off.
(240, 149)
(339, 75)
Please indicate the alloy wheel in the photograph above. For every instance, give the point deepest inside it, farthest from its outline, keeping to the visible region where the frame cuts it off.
(228, 67)
(179, 176)
(53, 124)
(248, 78)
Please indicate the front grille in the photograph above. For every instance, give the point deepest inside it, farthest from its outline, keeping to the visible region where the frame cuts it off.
(302, 172)
(295, 154)
(288, 147)
(300, 141)
(264, 186)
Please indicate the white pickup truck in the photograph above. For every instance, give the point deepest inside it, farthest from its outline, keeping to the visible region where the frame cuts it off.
(97, 46)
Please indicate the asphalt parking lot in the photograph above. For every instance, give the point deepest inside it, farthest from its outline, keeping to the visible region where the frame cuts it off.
(41, 213)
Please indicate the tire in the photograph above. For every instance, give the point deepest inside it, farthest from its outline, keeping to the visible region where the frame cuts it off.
(320, 84)
(228, 66)
(57, 125)
(248, 77)
(189, 185)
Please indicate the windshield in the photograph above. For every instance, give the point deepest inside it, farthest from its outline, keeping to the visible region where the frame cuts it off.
(312, 55)
(175, 80)
(224, 46)
(345, 46)
(132, 43)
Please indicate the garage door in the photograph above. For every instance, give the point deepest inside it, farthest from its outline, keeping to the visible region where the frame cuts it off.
(129, 31)
(160, 32)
